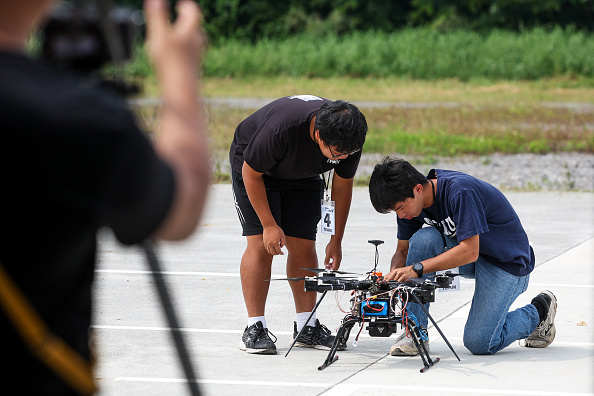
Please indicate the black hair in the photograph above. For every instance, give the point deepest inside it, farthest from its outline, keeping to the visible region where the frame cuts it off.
(393, 181)
(341, 125)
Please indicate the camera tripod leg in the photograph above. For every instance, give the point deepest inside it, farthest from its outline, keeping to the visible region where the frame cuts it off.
(342, 335)
(170, 314)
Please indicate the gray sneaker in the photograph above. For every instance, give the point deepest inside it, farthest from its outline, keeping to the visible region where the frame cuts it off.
(406, 347)
(545, 332)
(256, 339)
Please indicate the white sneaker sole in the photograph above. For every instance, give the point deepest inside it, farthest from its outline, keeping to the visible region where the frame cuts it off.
(256, 351)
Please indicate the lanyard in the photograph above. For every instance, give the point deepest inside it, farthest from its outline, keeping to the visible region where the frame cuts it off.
(328, 210)
(327, 184)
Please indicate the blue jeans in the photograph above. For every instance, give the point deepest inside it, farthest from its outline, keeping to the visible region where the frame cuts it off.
(490, 326)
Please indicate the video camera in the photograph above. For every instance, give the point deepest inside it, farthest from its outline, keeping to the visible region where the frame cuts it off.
(84, 36)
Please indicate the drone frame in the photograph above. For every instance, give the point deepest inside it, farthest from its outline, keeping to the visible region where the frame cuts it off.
(343, 332)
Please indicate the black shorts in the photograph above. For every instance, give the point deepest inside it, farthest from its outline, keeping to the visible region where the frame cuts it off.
(295, 205)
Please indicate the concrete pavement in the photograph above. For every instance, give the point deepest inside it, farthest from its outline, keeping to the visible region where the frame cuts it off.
(136, 354)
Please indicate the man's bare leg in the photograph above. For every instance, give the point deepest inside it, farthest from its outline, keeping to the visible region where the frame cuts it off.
(301, 254)
(256, 268)
(255, 271)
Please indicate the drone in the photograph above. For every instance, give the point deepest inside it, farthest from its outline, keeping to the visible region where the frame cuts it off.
(379, 303)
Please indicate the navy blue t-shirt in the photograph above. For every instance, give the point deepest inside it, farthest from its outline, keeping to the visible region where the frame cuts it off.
(465, 206)
(276, 141)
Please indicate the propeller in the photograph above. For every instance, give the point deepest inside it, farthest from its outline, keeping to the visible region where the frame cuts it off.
(287, 279)
(451, 274)
(329, 271)
(322, 278)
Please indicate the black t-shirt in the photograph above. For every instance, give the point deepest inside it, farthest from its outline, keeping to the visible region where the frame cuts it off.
(72, 161)
(276, 141)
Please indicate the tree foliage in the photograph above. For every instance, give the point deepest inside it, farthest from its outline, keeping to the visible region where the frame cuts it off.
(253, 20)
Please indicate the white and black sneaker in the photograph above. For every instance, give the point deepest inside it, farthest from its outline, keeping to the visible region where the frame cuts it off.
(256, 339)
(318, 337)
(406, 347)
(545, 332)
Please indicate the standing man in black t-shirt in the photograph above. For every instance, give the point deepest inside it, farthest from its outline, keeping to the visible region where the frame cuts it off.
(277, 156)
(72, 161)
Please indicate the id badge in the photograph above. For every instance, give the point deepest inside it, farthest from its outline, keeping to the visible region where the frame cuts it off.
(327, 226)
(455, 286)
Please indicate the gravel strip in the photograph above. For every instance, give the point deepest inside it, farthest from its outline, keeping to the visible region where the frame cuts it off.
(562, 172)
(526, 172)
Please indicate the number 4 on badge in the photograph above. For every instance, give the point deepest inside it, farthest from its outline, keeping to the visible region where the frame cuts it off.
(328, 217)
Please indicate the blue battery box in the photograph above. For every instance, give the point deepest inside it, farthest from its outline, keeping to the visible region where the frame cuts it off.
(374, 308)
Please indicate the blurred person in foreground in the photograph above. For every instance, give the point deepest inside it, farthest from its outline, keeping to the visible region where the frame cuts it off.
(73, 161)
(470, 225)
(277, 156)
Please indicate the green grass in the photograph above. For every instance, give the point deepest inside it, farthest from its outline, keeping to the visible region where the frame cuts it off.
(494, 92)
(394, 89)
(411, 53)
(445, 131)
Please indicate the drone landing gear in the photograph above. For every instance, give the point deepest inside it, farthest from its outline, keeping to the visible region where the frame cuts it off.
(342, 336)
(423, 352)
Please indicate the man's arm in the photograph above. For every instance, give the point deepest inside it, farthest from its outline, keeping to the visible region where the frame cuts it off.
(176, 51)
(273, 236)
(342, 194)
(467, 251)
(399, 258)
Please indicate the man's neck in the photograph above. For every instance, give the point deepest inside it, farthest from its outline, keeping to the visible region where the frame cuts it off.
(428, 193)
(312, 129)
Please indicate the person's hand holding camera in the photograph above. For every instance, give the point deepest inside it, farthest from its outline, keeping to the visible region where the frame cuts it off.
(175, 48)
(176, 52)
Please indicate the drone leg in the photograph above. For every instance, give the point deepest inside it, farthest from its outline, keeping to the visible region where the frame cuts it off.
(342, 336)
(312, 312)
(427, 362)
(435, 324)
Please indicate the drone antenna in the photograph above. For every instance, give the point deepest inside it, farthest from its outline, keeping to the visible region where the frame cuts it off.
(376, 242)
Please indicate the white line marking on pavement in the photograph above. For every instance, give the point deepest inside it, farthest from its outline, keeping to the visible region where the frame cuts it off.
(185, 329)
(192, 273)
(556, 342)
(132, 272)
(350, 389)
(219, 331)
(226, 382)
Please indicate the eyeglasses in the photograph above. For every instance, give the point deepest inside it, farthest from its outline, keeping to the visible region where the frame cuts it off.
(336, 155)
